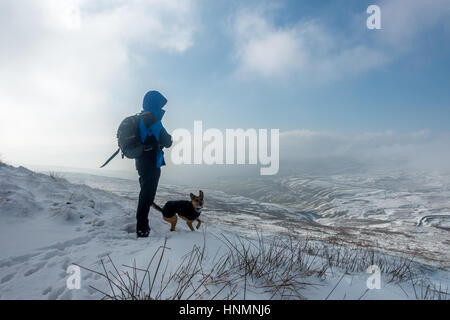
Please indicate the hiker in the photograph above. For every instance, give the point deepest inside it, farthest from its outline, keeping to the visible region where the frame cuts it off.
(155, 138)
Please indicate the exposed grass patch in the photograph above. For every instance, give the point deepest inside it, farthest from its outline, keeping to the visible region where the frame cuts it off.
(280, 267)
(56, 176)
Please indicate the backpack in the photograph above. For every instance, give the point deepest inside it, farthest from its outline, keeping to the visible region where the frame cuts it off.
(129, 137)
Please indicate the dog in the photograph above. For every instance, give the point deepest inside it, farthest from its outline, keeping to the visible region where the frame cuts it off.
(186, 210)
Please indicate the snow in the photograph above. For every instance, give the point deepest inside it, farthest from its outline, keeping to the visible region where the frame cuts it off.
(48, 224)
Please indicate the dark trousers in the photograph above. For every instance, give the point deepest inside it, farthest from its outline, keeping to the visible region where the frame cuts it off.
(148, 179)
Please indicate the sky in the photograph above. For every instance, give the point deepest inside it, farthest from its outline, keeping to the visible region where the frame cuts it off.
(71, 70)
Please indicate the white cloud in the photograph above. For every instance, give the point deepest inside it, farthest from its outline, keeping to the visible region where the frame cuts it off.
(263, 49)
(420, 149)
(62, 62)
(310, 50)
(305, 49)
(404, 21)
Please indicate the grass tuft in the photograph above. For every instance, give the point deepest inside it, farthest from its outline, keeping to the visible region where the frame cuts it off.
(280, 267)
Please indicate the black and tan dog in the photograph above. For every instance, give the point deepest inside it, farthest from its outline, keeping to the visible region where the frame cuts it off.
(186, 210)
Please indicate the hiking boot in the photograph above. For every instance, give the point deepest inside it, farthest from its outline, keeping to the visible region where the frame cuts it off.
(142, 234)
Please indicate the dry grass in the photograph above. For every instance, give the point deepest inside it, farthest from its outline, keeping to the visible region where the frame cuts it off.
(55, 175)
(190, 280)
(279, 267)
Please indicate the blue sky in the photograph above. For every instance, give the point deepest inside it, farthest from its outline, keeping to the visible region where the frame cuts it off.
(72, 70)
(410, 91)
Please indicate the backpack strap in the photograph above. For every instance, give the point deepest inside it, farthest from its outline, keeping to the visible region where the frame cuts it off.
(153, 130)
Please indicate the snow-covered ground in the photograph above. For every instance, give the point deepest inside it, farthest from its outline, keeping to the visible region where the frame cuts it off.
(392, 211)
(48, 223)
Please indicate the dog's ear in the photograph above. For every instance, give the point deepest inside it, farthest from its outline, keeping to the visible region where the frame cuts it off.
(192, 196)
(201, 194)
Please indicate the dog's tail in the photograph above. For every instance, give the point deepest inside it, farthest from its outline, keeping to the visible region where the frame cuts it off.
(156, 207)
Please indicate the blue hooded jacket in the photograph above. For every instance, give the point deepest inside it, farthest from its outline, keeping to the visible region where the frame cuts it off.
(153, 102)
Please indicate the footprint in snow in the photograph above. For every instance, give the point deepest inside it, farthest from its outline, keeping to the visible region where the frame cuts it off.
(35, 268)
(7, 278)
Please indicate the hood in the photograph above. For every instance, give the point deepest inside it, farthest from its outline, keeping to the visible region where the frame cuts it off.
(154, 101)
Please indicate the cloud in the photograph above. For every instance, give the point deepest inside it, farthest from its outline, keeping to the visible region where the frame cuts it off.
(305, 49)
(69, 66)
(404, 21)
(308, 49)
(419, 149)
(263, 49)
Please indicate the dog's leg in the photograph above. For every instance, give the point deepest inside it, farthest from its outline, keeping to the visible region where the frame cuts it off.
(172, 221)
(199, 222)
(189, 223)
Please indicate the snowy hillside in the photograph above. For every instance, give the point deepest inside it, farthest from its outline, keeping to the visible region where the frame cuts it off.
(393, 211)
(48, 223)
